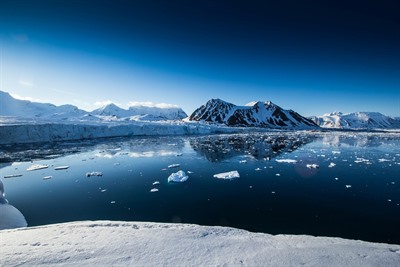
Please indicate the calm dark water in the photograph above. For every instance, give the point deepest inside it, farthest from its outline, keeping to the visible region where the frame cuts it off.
(355, 192)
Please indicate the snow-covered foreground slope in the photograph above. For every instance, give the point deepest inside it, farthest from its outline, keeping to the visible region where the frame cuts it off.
(106, 243)
(357, 120)
(254, 114)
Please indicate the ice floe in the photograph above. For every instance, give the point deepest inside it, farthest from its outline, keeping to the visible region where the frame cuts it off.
(153, 190)
(12, 176)
(173, 166)
(331, 165)
(88, 174)
(286, 160)
(227, 175)
(178, 177)
(156, 182)
(36, 167)
(61, 168)
(47, 177)
(312, 166)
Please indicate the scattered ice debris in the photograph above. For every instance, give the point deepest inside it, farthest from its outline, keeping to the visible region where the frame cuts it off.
(278, 174)
(154, 190)
(286, 160)
(61, 168)
(12, 175)
(36, 167)
(173, 166)
(312, 166)
(47, 177)
(348, 186)
(227, 175)
(178, 177)
(156, 182)
(383, 160)
(88, 174)
(257, 169)
(113, 202)
(243, 161)
(331, 165)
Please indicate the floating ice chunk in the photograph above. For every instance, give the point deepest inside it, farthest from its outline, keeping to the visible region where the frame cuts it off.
(335, 152)
(331, 165)
(312, 166)
(61, 168)
(113, 202)
(348, 186)
(336, 178)
(88, 174)
(361, 160)
(36, 167)
(278, 174)
(156, 182)
(257, 169)
(227, 175)
(47, 177)
(243, 161)
(12, 175)
(383, 160)
(173, 166)
(154, 190)
(189, 172)
(179, 154)
(103, 190)
(178, 177)
(286, 160)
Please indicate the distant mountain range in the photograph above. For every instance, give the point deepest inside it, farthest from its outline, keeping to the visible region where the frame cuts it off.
(12, 107)
(356, 120)
(254, 114)
(215, 111)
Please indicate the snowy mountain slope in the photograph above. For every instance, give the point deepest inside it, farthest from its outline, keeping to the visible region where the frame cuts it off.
(356, 120)
(142, 112)
(114, 243)
(254, 114)
(12, 107)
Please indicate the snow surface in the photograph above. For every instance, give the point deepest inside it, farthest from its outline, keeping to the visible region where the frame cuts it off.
(107, 243)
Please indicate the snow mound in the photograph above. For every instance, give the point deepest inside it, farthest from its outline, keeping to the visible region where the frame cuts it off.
(107, 243)
(227, 175)
(178, 177)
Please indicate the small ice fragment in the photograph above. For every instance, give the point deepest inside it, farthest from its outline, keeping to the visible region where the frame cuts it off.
(273, 192)
(250, 186)
(47, 177)
(36, 167)
(12, 175)
(243, 161)
(335, 152)
(361, 160)
(178, 177)
(179, 154)
(383, 160)
(173, 166)
(103, 190)
(156, 182)
(286, 160)
(88, 174)
(189, 172)
(336, 178)
(258, 169)
(312, 166)
(61, 168)
(227, 175)
(348, 186)
(154, 190)
(331, 165)
(278, 174)
(112, 202)
(389, 200)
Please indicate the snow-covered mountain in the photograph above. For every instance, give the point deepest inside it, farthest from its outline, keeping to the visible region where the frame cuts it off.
(254, 114)
(142, 112)
(12, 107)
(356, 120)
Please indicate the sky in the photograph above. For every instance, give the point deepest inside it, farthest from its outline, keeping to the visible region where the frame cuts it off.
(313, 57)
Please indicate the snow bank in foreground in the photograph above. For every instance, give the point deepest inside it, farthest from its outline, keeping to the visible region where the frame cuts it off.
(105, 243)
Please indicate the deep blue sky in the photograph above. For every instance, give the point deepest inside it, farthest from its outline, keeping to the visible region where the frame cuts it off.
(313, 57)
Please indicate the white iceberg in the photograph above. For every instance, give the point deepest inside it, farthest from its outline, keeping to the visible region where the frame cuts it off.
(173, 166)
(227, 175)
(178, 177)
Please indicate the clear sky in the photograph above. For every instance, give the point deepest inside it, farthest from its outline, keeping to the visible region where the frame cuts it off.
(314, 57)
